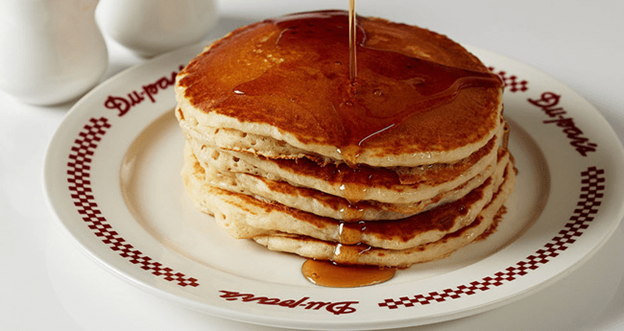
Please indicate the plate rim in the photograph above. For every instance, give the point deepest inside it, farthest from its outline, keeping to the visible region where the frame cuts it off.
(268, 320)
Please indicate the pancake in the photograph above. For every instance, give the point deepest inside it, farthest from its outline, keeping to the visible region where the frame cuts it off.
(367, 255)
(354, 184)
(244, 216)
(433, 101)
(323, 204)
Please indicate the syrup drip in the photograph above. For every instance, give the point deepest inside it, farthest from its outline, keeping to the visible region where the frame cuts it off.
(351, 233)
(352, 46)
(325, 273)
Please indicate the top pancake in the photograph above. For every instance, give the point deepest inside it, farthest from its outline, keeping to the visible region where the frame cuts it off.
(419, 98)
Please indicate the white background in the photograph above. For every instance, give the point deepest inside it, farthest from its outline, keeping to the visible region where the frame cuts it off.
(48, 283)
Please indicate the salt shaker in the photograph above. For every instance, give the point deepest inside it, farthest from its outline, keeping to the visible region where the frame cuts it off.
(151, 27)
(52, 50)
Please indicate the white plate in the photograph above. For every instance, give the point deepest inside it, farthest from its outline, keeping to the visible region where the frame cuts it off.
(112, 178)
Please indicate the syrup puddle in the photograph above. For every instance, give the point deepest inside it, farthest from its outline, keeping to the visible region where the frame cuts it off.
(328, 274)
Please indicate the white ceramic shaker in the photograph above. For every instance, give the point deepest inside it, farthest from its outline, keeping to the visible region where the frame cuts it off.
(151, 27)
(51, 51)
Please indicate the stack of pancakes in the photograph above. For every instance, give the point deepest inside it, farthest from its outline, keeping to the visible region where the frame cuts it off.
(404, 163)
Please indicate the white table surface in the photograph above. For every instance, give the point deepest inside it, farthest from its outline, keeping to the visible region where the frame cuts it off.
(48, 283)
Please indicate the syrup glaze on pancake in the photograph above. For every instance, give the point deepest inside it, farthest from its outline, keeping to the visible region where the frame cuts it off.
(433, 97)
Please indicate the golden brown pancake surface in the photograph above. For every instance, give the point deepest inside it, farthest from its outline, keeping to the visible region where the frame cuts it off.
(416, 91)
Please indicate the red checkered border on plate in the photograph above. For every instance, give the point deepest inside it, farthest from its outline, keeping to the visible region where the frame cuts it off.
(78, 179)
(592, 181)
(511, 82)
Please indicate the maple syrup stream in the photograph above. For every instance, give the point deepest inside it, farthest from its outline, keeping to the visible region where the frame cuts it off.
(352, 40)
(327, 273)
